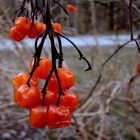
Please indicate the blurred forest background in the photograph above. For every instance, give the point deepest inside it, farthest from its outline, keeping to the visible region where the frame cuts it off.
(112, 112)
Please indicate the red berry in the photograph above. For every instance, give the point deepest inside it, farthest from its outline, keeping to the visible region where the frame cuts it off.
(38, 116)
(16, 35)
(53, 85)
(50, 97)
(69, 100)
(138, 68)
(27, 97)
(33, 32)
(58, 117)
(67, 79)
(23, 25)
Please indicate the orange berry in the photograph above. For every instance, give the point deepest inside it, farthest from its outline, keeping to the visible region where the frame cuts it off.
(16, 35)
(57, 27)
(66, 77)
(43, 69)
(72, 8)
(41, 27)
(23, 24)
(22, 78)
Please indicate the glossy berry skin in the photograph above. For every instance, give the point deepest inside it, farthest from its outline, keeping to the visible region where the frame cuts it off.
(38, 116)
(72, 8)
(27, 97)
(22, 78)
(43, 69)
(138, 68)
(67, 79)
(53, 84)
(33, 32)
(16, 35)
(50, 97)
(23, 24)
(58, 116)
(69, 100)
(57, 27)
(41, 27)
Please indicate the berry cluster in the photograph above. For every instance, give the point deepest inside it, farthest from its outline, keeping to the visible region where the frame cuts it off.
(53, 104)
(27, 27)
(31, 97)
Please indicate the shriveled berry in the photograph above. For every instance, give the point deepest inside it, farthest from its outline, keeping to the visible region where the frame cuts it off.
(58, 116)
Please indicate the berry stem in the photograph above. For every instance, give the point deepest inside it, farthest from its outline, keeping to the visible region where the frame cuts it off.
(60, 51)
(78, 50)
(45, 86)
(54, 55)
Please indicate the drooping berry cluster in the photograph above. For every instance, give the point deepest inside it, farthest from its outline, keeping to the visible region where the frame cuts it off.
(32, 98)
(26, 27)
(53, 104)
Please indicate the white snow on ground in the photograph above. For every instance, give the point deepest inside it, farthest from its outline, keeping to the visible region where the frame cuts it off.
(80, 41)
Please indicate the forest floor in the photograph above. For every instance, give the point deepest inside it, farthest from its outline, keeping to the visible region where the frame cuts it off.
(14, 121)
